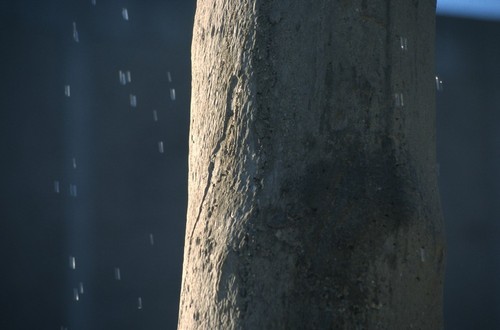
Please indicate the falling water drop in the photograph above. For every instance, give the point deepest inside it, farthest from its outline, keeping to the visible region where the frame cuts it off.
(169, 77)
(75, 33)
(93, 2)
(133, 100)
(439, 84)
(118, 275)
(139, 303)
(160, 147)
(151, 239)
(398, 99)
(57, 188)
(129, 77)
(155, 115)
(73, 160)
(76, 296)
(403, 42)
(80, 288)
(73, 190)
(125, 14)
(422, 254)
(72, 262)
(67, 90)
(122, 77)
(172, 94)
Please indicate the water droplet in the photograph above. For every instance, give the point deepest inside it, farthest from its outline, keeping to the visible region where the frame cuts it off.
(160, 147)
(439, 84)
(122, 77)
(72, 262)
(155, 115)
(125, 14)
(76, 296)
(80, 288)
(73, 160)
(151, 239)
(73, 190)
(403, 42)
(93, 2)
(133, 100)
(398, 100)
(63, 327)
(139, 303)
(422, 254)
(57, 187)
(118, 274)
(169, 76)
(67, 90)
(75, 33)
(172, 94)
(129, 77)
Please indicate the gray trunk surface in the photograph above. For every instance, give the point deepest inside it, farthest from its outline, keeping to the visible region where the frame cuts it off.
(313, 200)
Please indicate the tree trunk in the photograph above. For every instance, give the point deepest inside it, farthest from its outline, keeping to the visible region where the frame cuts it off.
(313, 200)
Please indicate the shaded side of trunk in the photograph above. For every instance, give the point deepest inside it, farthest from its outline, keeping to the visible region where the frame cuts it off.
(313, 200)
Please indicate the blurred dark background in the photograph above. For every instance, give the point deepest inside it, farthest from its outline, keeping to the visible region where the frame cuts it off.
(468, 148)
(92, 179)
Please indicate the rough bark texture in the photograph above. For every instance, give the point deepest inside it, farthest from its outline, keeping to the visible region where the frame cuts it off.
(313, 200)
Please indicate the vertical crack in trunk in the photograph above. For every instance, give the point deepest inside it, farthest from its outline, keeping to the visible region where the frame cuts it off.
(229, 113)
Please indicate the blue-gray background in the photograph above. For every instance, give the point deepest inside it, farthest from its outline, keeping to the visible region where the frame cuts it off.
(127, 189)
